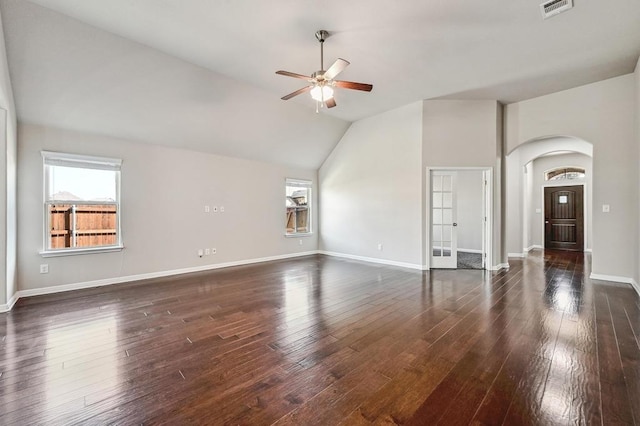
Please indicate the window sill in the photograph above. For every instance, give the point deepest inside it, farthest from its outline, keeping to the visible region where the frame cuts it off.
(302, 234)
(74, 252)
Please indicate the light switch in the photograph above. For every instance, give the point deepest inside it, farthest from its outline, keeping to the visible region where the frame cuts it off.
(605, 208)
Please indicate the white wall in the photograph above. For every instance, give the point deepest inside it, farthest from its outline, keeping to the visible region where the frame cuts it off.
(467, 134)
(637, 76)
(8, 159)
(602, 114)
(470, 216)
(540, 166)
(164, 191)
(371, 189)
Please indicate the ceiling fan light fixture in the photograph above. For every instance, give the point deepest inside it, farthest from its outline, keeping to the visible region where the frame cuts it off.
(322, 93)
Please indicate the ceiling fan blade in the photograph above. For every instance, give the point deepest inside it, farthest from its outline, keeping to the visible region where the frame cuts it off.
(296, 93)
(338, 66)
(330, 103)
(354, 86)
(294, 75)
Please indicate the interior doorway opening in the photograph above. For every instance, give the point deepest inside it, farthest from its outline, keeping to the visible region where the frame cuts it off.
(459, 218)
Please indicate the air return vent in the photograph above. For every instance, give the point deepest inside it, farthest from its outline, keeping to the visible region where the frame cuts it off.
(553, 7)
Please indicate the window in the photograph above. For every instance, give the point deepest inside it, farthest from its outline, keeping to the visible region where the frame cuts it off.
(298, 205)
(81, 203)
(565, 173)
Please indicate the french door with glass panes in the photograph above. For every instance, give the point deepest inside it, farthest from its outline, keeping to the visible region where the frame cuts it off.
(443, 219)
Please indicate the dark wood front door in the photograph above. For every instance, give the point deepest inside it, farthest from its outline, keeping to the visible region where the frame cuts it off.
(564, 218)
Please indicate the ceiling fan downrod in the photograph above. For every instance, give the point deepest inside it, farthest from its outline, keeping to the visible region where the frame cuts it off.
(322, 35)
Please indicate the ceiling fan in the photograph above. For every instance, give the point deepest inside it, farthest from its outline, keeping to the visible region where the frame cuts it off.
(322, 82)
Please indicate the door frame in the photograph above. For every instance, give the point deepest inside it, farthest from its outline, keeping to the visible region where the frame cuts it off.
(584, 210)
(487, 197)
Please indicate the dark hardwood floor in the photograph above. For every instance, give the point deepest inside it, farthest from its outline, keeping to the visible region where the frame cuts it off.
(320, 340)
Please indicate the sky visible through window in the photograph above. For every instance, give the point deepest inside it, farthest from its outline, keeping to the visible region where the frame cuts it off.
(86, 184)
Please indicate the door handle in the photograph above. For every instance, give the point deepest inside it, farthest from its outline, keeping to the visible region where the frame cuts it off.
(455, 224)
(546, 221)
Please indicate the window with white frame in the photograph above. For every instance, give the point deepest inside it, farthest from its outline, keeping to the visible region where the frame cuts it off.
(565, 173)
(81, 203)
(298, 206)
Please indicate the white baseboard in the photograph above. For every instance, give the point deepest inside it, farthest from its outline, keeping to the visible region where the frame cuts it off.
(129, 278)
(499, 267)
(6, 307)
(515, 254)
(464, 250)
(374, 260)
(617, 279)
(588, 251)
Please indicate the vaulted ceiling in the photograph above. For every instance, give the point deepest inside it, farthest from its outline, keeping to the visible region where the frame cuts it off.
(200, 74)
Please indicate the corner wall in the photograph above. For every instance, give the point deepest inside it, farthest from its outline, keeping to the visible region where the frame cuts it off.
(371, 190)
(163, 194)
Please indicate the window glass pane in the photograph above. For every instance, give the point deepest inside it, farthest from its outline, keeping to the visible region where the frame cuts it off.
(446, 183)
(437, 234)
(446, 249)
(447, 200)
(82, 201)
(437, 216)
(565, 173)
(437, 183)
(446, 232)
(74, 183)
(447, 216)
(437, 252)
(437, 199)
(297, 201)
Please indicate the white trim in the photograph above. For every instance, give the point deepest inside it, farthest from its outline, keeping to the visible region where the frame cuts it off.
(499, 267)
(616, 279)
(77, 251)
(9, 305)
(464, 250)
(588, 250)
(374, 260)
(138, 277)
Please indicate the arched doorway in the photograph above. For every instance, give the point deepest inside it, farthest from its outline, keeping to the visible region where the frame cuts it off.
(525, 183)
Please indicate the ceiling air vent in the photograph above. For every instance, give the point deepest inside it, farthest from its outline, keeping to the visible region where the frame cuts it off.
(553, 7)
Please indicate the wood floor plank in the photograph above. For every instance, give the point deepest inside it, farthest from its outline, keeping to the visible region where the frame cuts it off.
(322, 340)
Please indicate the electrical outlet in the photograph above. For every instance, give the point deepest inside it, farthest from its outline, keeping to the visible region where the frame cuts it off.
(213, 251)
(380, 246)
(215, 209)
(206, 209)
(300, 242)
(44, 268)
(221, 209)
(200, 252)
(207, 252)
